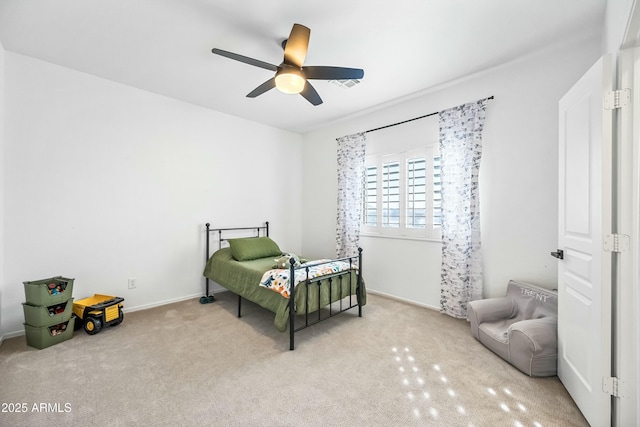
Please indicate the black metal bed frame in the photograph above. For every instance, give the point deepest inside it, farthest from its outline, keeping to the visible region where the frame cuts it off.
(338, 276)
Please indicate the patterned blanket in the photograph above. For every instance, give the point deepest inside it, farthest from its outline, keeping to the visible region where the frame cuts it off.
(278, 279)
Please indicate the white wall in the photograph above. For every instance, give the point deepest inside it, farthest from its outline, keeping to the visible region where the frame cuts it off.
(105, 182)
(518, 176)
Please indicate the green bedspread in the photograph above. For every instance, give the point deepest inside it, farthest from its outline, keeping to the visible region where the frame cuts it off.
(243, 278)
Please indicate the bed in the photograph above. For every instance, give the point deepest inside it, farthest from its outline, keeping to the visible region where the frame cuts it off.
(247, 262)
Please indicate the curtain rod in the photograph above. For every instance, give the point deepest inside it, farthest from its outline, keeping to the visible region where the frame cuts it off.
(410, 120)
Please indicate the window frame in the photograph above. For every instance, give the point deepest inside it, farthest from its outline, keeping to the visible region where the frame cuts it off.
(430, 231)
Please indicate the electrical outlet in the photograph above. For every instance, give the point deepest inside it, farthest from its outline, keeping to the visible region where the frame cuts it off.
(132, 283)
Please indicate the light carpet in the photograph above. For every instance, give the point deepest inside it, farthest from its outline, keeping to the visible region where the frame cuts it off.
(187, 364)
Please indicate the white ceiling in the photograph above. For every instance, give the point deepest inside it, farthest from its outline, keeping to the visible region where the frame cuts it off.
(406, 46)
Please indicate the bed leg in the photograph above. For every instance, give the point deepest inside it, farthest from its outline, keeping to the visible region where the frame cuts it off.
(292, 322)
(207, 299)
(239, 306)
(291, 332)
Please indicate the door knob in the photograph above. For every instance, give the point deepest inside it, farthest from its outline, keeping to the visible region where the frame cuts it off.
(558, 254)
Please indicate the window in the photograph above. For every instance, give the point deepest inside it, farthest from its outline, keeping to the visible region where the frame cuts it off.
(402, 194)
(416, 193)
(391, 194)
(371, 196)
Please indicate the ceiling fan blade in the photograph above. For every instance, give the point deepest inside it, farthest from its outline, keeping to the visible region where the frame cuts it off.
(268, 85)
(310, 94)
(332, 73)
(295, 50)
(245, 59)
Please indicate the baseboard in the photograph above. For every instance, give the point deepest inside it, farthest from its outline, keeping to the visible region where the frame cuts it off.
(11, 335)
(160, 303)
(397, 298)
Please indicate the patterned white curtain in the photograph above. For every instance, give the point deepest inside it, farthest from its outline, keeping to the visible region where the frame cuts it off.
(351, 151)
(460, 151)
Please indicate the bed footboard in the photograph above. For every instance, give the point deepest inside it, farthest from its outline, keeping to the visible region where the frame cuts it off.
(338, 286)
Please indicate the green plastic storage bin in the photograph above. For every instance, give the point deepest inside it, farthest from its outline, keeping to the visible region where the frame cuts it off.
(48, 292)
(40, 315)
(46, 336)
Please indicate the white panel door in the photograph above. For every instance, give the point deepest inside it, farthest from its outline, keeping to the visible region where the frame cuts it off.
(584, 275)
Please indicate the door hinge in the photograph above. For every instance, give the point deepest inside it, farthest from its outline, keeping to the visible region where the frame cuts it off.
(617, 99)
(611, 386)
(617, 243)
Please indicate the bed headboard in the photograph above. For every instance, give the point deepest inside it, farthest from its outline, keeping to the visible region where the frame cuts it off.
(224, 234)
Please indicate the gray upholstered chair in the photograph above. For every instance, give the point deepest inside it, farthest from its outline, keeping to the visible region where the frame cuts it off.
(522, 327)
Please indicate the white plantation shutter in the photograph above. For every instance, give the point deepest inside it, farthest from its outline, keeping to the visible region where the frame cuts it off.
(400, 194)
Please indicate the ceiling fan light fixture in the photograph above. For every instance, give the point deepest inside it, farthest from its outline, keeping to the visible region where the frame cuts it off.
(290, 81)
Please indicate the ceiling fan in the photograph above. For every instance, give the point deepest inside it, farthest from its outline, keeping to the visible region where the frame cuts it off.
(291, 76)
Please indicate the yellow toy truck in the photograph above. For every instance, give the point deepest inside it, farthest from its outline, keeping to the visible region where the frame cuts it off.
(95, 312)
